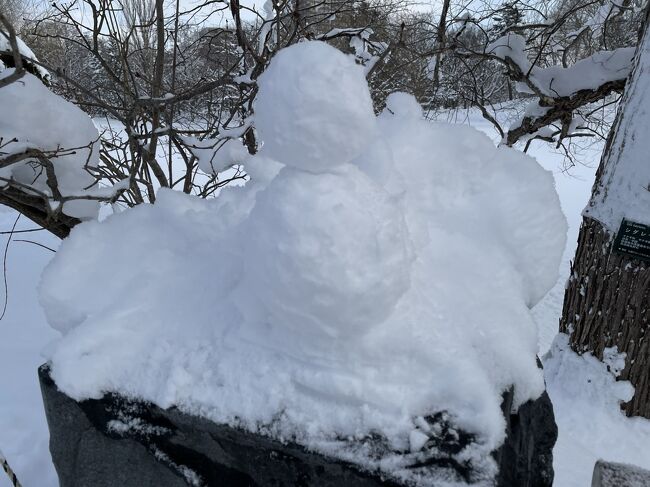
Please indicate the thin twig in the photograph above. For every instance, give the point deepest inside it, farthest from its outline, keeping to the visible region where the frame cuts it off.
(9, 471)
(36, 243)
(4, 266)
(23, 231)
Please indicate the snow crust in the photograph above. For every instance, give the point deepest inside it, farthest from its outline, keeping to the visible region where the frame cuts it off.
(35, 118)
(373, 275)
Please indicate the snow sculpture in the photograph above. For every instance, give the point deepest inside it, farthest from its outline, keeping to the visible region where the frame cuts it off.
(331, 249)
(403, 105)
(375, 271)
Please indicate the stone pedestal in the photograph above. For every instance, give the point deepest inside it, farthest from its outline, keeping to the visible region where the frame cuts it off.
(114, 442)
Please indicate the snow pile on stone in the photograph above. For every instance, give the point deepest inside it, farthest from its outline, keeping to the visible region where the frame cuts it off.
(33, 117)
(374, 272)
(610, 474)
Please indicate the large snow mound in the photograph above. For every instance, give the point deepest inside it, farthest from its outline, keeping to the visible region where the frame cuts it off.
(324, 306)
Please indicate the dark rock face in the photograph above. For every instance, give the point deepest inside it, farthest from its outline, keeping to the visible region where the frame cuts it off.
(526, 457)
(114, 442)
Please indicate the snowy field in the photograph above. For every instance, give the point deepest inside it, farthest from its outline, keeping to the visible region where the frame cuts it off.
(583, 393)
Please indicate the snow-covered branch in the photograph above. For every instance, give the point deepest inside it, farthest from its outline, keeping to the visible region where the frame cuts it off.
(48, 148)
(558, 91)
(553, 82)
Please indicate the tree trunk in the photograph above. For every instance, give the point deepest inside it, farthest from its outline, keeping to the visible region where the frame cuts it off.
(608, 293)
(606, 304)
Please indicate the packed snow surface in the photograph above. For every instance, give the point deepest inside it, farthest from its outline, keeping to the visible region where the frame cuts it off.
(369, 274)
(591, 423)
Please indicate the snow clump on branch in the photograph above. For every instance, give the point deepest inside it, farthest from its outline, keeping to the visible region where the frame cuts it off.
(36, 120)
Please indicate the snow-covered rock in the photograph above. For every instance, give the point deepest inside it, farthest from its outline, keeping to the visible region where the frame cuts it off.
(610, 474)
(382, 276)
(131, 443)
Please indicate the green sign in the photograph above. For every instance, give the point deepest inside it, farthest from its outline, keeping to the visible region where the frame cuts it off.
(633, 239)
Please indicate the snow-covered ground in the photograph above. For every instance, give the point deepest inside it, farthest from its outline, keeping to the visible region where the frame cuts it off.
(23, 334)
(584, 395)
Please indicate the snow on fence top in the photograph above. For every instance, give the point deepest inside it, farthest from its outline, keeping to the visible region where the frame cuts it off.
(373, 272)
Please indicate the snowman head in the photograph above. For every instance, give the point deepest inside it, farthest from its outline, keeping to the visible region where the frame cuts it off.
(313, 110)
(403, 105)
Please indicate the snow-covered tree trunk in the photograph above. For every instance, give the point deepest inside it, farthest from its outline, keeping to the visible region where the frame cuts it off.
(608, 293)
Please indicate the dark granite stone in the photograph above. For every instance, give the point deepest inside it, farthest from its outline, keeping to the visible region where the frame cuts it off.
(115, 442)
(526, 457)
